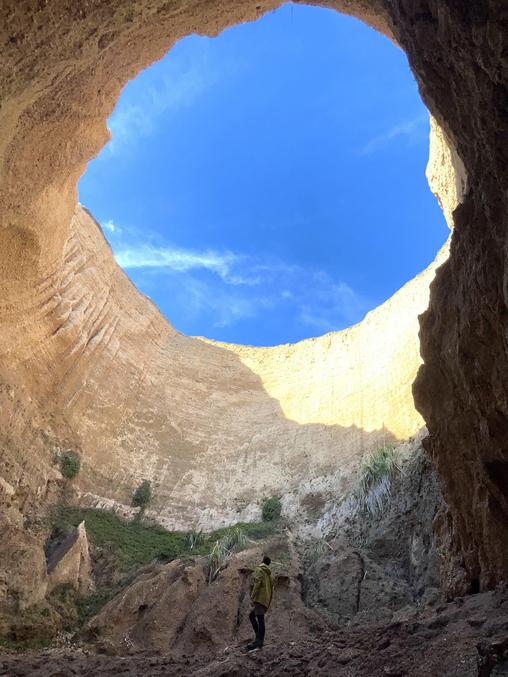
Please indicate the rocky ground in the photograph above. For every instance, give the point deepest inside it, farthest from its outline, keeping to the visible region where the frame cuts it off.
(465, 638)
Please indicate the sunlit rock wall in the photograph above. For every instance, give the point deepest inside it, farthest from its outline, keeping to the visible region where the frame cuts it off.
(215, 427)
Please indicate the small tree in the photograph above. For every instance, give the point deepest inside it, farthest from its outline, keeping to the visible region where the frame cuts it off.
(70, 464)
(271, 510)
(143, 495)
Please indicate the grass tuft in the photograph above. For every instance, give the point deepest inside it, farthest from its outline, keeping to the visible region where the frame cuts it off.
(231, 541)
(195, 538)
(374, 483)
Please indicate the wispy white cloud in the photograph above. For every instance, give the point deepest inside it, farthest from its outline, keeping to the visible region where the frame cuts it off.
(221, 306)
(224, 264)
(332, 301)
(177, 90)
(412, 130)
(180, 260)
(110, 226)
(225, 287)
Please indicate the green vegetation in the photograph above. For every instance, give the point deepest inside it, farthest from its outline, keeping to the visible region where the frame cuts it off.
(87, 607)
(374, 482)
(132, 544)
(143, 495)
(31, 628)
(122, 547)
(271, 509)
(232, 541)
(128, 546)
(21, 645)
(195, 539)
(63, 600)
(135, 544)
(313, 550)
(70, 464)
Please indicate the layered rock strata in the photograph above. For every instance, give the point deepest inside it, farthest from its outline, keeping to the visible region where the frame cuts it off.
(215, 426)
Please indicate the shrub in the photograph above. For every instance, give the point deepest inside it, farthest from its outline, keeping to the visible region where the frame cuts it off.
(70, 464)
(374, 482)
(271, 510)
(143, 495)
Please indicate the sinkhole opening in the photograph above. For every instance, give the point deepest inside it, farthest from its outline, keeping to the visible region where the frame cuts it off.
(268, 185)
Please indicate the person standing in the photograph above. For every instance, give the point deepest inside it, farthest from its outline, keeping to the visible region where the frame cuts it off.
(261, 598)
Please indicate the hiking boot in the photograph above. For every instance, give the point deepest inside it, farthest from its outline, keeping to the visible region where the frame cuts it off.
(255, 646)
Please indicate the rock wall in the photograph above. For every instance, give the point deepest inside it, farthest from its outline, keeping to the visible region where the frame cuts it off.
(459, 52)
(79, 344)
(29, 483)
(375, 564)
(215, 426)
(173, 607)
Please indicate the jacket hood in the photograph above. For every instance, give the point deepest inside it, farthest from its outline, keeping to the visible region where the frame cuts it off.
(265, 567)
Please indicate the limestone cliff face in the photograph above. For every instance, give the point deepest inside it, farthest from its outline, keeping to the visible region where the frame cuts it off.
(216, 426)
(28, 483)
(91, 363)
(446, 173)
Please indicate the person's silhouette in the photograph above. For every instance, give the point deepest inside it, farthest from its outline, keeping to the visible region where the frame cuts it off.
(261, 598)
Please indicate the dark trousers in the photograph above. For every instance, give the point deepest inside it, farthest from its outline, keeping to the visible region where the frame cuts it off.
(258, 623)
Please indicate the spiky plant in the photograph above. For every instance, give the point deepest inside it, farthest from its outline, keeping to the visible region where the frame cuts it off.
(374, 482)
(195, 538)
(233, 540)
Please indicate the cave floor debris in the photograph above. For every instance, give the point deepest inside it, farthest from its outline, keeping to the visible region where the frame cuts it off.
(466, 638)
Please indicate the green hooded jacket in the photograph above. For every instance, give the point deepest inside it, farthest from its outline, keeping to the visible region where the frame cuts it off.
(262, 591)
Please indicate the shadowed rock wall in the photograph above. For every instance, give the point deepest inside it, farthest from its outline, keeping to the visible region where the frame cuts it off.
(79, 343)
(459, 51)
(214, 426)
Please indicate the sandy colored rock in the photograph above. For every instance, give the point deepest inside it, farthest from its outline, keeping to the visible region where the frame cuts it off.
(70, 563)
(215, 426)
(464, 639)
(78, 343)
(30, 485)
(374, 565)
(446, 173)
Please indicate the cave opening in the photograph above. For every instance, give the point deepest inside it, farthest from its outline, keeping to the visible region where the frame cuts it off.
(90, 364)
(268, 185)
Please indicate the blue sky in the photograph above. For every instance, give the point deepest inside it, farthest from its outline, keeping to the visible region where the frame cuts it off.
(269, 184)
